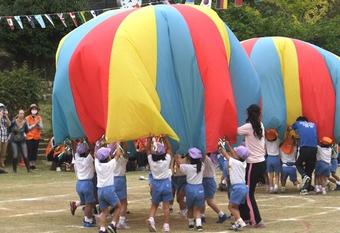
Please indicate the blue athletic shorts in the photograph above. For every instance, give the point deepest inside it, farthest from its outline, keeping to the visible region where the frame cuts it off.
(194, 195)
(178, 182)
(322, 168)
(120, 187)
(334, 165)
(238, 194)
(85, 190)
(107, 197)
(273, 164)
(209, 186)
(161, 191)
(289, 171)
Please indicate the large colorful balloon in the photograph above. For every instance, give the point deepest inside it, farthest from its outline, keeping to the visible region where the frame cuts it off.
(167, 69)
(297, 78)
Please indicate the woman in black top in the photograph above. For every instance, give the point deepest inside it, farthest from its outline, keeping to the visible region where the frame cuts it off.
(18, 131)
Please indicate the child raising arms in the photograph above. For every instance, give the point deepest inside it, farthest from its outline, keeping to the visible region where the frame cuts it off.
(237, 173)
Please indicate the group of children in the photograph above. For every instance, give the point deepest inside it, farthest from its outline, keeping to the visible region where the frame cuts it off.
(191, 177)
(281, 159)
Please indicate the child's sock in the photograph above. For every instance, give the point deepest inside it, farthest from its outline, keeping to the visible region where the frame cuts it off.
(220, 214)
(102, 229)
(152, 220)
(122, 219)
(241, 222)
(198, 222)
(191, 221)
(90, 220)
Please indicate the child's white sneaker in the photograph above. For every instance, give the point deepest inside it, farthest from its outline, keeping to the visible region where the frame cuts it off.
(122, 226)
(323, 191)
(166, 227)
(151, 225)
(276, 188)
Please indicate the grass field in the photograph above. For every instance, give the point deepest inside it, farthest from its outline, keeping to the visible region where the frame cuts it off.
(38, 202)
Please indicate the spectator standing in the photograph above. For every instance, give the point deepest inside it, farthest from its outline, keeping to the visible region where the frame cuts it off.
(35, 125)
(4, 124)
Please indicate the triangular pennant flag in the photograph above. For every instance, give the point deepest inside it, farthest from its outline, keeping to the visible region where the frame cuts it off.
(238, 2)
(49, 18)
(93, 13)
(206, 3)
(10, 22)
(30, 20)
(81, 15)
(73, 17)
(40, 20)
(221, 4)
(18, 19)
(61, 17)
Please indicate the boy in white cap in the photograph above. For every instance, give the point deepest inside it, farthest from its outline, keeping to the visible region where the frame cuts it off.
(159, 160)
(194, 190)
(107, 197)
(237, 173)
(84, 169)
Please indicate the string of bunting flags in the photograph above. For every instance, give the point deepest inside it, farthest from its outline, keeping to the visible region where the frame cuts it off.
(80, 17)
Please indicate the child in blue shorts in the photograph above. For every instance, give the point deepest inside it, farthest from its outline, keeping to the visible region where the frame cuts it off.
(289, 168)
(105, 164)
(120, 182)
(84, 169)
(273, 159)
(159, 159)
(209, 185)
(178, 181)
(322, 166)
(194, 190)
(237, 172)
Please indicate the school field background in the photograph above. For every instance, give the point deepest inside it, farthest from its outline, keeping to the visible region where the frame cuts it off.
(39, 203)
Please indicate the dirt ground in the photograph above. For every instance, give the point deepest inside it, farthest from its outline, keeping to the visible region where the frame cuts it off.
(38, 202)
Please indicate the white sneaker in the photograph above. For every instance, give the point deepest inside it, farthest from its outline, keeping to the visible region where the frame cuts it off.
(242, 223)
(122, 226)
(304, 192)
(151, 225)
(324, 191)
(58, 169)
(276, 189)
(166, 228)
(317, 190)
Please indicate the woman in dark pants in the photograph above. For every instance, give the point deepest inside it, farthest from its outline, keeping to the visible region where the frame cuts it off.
(18, 131)
(33, 136)
(253, 131)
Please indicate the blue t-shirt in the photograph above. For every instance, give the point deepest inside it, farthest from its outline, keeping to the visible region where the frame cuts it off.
(307, 133)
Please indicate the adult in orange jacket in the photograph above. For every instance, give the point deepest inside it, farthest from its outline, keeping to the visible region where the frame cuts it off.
(33, 136)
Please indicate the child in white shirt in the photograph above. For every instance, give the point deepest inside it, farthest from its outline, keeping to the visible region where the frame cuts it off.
(237, 172)
(273, 159)
(105, 164)
(194, 190)
(322, 166)
(84, 169)
(159, 159)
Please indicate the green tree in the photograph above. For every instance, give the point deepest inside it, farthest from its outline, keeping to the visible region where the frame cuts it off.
(20, 87)
(36, 46)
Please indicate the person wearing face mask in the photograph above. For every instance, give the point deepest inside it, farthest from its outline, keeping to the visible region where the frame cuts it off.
(4, 124)
(33, 136)
(18, 131)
